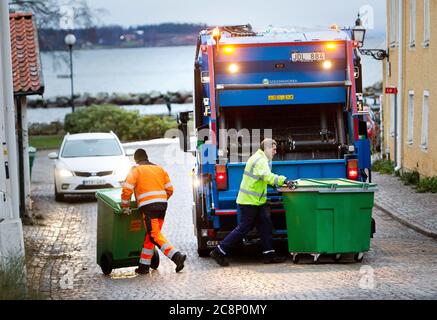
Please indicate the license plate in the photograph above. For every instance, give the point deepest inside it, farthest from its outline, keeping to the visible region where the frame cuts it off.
(308, 56)
(93, 182)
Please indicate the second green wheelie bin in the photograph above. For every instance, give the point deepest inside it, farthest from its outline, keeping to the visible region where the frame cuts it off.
(32, 154)
(329, 216)
(120, 237)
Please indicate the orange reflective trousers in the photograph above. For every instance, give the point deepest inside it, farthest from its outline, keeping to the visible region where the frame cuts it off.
(153, 223)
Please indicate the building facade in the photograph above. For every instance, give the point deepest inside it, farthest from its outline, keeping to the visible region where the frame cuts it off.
(410, 117)
(27, 81)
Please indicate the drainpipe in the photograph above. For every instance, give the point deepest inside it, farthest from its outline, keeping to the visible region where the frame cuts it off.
(400, 97)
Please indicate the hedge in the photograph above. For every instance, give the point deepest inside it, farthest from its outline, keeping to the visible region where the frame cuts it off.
(127, 125)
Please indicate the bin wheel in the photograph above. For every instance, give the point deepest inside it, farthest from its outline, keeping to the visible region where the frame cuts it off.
(154, 264)
(316, 258)
(358, 257)
(337, 257)
(296, 258)
(106, 263)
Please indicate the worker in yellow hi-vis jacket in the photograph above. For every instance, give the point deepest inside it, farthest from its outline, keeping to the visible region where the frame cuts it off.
(252, 199)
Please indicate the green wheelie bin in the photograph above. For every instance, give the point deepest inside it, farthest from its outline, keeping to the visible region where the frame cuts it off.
(329, 216)
(32, 155)
(120, 237)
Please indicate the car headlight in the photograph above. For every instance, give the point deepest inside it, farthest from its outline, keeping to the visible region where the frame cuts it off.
(64, 173)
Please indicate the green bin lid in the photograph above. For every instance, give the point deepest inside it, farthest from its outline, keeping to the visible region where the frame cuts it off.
(112, 197)
(330, 185)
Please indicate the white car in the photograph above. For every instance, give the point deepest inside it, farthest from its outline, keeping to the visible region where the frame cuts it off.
(88, 162)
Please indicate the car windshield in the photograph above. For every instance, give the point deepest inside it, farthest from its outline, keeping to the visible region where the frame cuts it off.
(91, 148)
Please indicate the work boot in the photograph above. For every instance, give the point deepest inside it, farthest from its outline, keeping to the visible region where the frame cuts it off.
(272, 257)
(219, 257)
(179, 260)
(142, 269)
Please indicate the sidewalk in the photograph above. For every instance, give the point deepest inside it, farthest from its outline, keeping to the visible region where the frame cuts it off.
(415, 210)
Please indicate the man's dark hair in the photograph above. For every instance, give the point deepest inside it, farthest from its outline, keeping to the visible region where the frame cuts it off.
(140, 155)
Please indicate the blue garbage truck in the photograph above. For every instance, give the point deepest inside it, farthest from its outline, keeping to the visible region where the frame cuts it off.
(303, 89)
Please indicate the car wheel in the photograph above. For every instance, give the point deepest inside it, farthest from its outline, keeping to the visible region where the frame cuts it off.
(59, 197)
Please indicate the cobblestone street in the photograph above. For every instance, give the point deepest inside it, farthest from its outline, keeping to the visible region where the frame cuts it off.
(61, 250)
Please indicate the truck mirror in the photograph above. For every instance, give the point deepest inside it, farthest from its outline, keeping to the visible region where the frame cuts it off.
(184, 136)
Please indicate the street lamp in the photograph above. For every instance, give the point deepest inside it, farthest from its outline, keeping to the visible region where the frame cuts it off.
(359, 34)
(70, 41)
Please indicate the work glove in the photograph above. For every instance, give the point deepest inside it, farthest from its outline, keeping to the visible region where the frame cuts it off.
(127, 211)
(291, 184)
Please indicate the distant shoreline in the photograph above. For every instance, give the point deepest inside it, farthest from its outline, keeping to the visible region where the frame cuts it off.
(119, 47)
(120, 99)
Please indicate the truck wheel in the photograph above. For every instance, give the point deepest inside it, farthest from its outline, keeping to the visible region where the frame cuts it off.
(154, 264)
(106, 263)
(204, 253)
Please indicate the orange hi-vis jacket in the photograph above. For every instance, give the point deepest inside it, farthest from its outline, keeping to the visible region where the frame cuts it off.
(150, 183)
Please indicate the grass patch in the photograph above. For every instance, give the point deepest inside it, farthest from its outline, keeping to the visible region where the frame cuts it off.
(410, 178)
(383, 166)
(12, 282)
(46, 142)
(427, 185)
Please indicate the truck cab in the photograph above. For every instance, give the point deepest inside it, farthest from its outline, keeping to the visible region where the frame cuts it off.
(303, 89)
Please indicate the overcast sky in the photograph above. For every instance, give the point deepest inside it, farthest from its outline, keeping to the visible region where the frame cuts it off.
(259, 13)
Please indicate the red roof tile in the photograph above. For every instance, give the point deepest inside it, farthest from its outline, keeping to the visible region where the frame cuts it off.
(26, 66)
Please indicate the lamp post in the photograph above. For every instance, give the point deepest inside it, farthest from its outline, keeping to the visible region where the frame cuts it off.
(70, 41)
(359, 34)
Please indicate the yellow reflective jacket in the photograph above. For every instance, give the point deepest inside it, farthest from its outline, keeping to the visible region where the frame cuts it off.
(257, 176)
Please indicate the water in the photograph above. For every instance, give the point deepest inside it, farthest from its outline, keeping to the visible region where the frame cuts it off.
(139, 70)
(136, 70)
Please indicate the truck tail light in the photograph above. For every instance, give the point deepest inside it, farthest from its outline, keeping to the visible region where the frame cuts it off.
(208, 233)
(352, 169)
(221, 177)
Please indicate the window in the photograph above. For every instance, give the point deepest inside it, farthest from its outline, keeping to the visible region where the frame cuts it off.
(410, 130)
(427, 24)
(425, 116)
(412, 23)
(91, 148)
(394, 23)
(392, 114)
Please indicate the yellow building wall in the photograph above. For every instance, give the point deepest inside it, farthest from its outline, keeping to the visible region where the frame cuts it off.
(420, 74)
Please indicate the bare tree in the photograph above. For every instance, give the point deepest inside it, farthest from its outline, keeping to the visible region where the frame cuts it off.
(48, 12)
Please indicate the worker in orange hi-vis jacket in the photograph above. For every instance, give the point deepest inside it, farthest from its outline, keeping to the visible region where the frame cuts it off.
(152, 188)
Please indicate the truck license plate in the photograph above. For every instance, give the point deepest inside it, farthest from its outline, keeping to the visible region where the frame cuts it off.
(308, 56)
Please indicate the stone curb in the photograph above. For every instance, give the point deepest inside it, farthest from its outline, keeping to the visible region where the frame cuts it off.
(405, 221)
